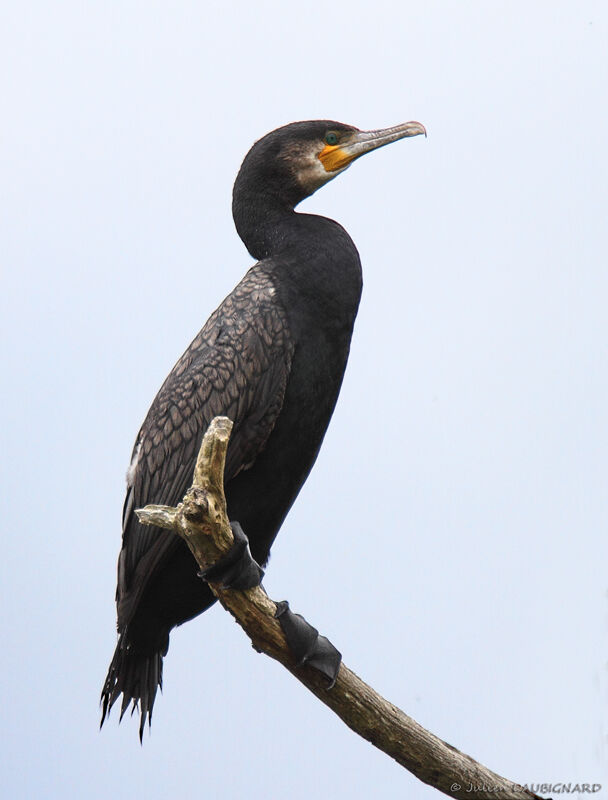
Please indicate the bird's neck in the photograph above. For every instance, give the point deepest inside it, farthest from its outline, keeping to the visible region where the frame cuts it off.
(315, 257)
(262, 221)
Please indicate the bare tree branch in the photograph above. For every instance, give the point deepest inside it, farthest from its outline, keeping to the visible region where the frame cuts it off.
(202, 522)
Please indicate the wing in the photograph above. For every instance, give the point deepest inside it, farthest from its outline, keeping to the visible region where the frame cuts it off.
(237, 366)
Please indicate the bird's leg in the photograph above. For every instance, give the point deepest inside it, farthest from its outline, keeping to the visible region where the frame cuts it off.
(237, 569)
(307, 645)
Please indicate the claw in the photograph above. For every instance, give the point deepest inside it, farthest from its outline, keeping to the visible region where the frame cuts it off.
(237, 569)
(307, 645)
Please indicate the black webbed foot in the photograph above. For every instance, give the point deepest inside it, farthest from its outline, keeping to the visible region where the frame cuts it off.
(307, 645)
(237, 569)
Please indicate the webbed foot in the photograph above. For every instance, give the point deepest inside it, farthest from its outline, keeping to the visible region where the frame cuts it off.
(307, 645)
(237, 569)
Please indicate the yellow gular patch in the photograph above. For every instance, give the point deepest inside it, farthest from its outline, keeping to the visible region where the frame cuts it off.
(333, 158)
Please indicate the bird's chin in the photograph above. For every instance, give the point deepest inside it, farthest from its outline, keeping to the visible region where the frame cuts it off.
(316, 175)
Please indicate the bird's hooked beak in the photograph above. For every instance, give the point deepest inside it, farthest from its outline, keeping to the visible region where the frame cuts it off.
(338, 156)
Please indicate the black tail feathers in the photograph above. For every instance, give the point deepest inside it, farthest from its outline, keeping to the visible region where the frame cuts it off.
(137, 676)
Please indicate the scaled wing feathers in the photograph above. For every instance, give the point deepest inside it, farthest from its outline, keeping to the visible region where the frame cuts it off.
(237, 366)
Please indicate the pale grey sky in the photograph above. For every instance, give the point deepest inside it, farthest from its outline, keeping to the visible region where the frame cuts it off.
(479, 358)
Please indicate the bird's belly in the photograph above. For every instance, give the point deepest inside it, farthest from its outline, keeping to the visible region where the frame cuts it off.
(260, 497)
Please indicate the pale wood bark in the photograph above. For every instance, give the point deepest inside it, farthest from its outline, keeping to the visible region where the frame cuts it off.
(202, 522)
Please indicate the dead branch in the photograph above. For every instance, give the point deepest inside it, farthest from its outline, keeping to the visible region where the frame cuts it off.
(202, 522)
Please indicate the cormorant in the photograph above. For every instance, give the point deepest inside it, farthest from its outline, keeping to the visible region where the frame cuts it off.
(271, 358)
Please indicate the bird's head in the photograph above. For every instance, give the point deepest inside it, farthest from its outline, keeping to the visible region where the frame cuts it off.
(292, 162)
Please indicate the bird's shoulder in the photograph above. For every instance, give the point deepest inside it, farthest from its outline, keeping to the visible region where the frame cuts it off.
(232, 364)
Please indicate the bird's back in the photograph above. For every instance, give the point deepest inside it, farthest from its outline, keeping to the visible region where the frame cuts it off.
(237, 366)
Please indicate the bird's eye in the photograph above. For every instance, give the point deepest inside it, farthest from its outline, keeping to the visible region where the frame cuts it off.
(331, 138)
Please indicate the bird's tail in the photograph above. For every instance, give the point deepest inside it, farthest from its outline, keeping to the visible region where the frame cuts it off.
(137, 676)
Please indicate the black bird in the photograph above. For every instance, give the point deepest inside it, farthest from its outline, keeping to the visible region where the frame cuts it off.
(271, 358)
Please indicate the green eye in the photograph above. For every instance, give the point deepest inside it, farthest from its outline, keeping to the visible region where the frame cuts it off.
(331, 139)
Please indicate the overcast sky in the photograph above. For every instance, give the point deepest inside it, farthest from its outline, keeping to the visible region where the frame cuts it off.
(451, 539)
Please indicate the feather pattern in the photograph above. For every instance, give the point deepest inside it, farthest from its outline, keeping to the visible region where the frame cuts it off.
(237, 366)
